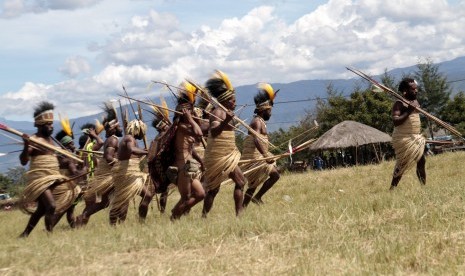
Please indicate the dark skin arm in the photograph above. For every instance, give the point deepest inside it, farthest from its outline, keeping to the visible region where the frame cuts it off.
(195, 127)
(400, 112)
(73, 168)
(132, 147)
(98, 141)
(26, 153)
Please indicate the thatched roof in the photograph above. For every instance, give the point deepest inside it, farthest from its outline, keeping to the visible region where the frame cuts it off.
(350, 134)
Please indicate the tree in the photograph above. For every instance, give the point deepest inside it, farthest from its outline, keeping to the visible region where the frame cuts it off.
(363, 105)
(18, 180)
(434, 91)
(5, 183)
(454, 112)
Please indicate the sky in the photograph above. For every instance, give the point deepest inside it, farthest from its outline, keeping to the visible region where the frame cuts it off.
(78, 53)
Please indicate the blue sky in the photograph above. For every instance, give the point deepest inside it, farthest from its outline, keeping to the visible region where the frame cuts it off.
(78, 53)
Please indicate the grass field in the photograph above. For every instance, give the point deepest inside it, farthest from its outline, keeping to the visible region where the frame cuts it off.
(343, 221)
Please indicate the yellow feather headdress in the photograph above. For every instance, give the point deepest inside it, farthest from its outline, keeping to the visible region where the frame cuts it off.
(225, 78)
(65, 125)
(189, 90)
(220, 86)
(268, 89)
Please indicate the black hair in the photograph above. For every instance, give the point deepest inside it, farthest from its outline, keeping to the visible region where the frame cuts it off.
(216, 87)
(109, 111)
(405, 84)
(88, 126)
(82, 140)
(42, 106)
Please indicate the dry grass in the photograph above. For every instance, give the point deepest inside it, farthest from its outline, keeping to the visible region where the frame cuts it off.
(343, 221)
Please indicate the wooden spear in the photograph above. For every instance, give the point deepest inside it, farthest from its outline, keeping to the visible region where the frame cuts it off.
(144, 138)
(42, 144)
(294, 150)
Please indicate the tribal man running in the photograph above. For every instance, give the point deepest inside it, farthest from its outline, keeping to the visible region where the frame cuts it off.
(97, 197)
(128, 178)
(43, 178)
(255, 148)
(221, 155)
(187, 161)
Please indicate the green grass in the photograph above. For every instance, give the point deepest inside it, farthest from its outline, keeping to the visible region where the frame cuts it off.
(343, 221)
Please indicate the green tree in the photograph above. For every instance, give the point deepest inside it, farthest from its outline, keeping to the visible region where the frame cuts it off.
(363, 105)
(18, 179)
(454, 112)
(5, 183)
(434, 91)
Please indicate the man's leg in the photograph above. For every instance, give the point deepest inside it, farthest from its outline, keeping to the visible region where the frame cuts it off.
(197, 195)
(163, 201)
(238, 177)
(70, 216)
(248, 196)
(49, 204)
(33, 220)
(144, 203)
(208, 201)
(274, 177)
(421, 171)
(91, 208)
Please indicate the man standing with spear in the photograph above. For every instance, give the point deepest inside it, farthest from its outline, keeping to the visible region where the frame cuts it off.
(407, 140)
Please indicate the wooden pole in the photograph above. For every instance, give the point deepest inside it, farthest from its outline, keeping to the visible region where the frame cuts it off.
(42, 144)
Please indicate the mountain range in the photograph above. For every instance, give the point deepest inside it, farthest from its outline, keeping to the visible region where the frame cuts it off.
(291, 104)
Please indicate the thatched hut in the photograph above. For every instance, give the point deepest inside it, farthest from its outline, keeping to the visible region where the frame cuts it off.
(349, 134)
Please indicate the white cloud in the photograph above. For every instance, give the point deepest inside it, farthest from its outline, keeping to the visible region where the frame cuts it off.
(75, 66)
(14, 8)
(260, 46)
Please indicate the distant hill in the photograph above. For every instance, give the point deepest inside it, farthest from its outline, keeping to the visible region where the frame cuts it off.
(293, 100)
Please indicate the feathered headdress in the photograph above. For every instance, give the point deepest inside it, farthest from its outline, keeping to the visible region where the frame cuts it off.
(110, 119)
(161, 115)
(264, 97)
(43, 113)
(187, 93)
(220, 86)
(136, 127)
(98, 127)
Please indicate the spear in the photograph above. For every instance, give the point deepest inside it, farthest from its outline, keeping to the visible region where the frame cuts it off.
(214, 101)
(123, 119)
(144, 138)
(403, 100)
(127, 97)
(41, 144)
(90, 151)
(174, 111)
(291, 151)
